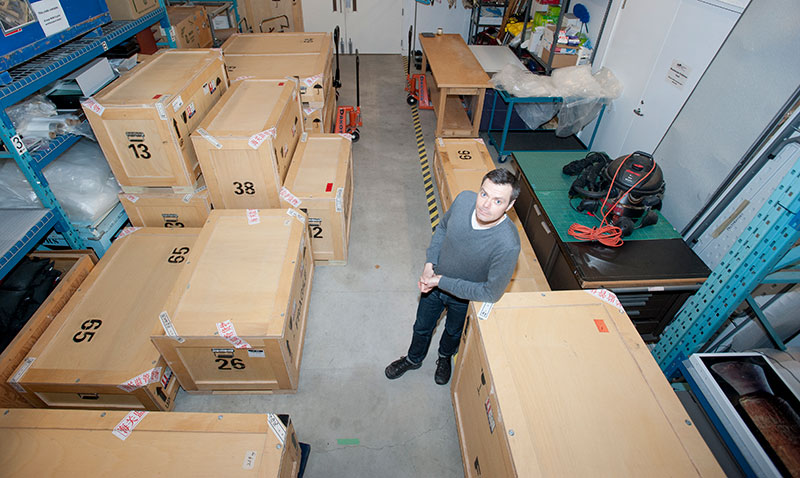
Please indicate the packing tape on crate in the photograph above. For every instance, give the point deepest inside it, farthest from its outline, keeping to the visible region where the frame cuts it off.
(125, 426)
(228, 332)
(253, 217)
(14, 381)
(296, 214)
(287, 196)
(339, 201)
(441, 142)
(607, 296)
(485, 310)
(312, 79)
(277, 427)
(346, 136)
(92, 105)
(131, 197)
(242, 78)
(249, 460)
(258, 139)
(169, 329)
(209, 138)
(127, 231)
(304, 137)
(142, 380)
(308, 110)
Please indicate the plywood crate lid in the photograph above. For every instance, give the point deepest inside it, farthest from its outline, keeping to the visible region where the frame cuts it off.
(288, 42)
(582, 393)
(164, 75)
(249, 107)
(126, 291)
(243, 273)
(276, 66)
(159, 194)
(318, 162)
(162, 443)
(477, 158)
(459, 180)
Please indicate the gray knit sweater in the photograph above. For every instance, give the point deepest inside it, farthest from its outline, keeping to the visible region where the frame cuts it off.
(474, 264)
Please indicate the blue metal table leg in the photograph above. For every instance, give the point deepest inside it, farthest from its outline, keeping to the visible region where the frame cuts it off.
(596, 125)
(505, 127)
(491, 116)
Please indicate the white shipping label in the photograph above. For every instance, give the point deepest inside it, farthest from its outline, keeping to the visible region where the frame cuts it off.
(441, 142)
(304, 137)
(14, 381)
(296, 214)
(188, 197)
(287, 196)
(308, 110)
(177, 103)
(169, 329)
(142, 380)
(480, 140)
(200, 189)
(608, 297)
(339, 201)
(19, 146)
(162, 112)
(131, 197)
(209, 138)
(127, 231)
(277, 427)
(253, 217)
(50, 14)
(347, 136)
(249, 460)
(485, 310)
(125, 426)
(92, 105)
(256, 354)
(227, 332)
(257, 139)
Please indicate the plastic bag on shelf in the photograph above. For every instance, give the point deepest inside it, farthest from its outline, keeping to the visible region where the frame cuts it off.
(80, 179)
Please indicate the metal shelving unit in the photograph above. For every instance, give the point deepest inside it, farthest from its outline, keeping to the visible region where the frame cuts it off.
(477, 20)
(23, 229)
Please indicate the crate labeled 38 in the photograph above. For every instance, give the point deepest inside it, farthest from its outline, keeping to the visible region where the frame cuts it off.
(143, 120)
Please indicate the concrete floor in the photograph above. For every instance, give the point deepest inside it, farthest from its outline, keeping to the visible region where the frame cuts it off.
(361, 315)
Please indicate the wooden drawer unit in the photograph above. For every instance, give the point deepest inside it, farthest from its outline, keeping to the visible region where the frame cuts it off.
(143, 119)
(560, 384)
(246, 143)
(97, 352)
(248, 286)
(157, 207)
(88, 443)
(74, 266)
(321, 177)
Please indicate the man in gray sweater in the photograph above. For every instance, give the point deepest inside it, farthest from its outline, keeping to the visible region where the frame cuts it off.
(472, 256)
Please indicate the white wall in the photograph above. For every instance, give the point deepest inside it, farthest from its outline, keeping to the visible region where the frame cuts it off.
(431, 17)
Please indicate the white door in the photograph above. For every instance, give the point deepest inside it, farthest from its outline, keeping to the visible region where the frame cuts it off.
(658, 51)
(370, 26)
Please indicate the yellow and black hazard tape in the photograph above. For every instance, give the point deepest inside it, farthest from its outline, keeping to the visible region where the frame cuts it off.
(427, 178)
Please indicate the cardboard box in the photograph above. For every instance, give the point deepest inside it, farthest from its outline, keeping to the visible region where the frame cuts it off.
(190, 26)
(561, 384)
(321, 177)
(246, 143)
(97, 352)
(560, 60)
(143, 120)
(83, 443)
(459, 164)
(75, 266)
(157, 207)
(131, 9)
(237, 314)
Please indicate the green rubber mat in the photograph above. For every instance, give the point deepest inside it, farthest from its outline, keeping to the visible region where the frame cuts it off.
(543, 168)
(556, 205)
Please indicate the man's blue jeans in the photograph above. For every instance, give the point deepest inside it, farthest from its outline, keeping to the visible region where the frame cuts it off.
(429, 310)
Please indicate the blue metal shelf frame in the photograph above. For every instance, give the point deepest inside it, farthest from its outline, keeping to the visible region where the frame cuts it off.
(513, 100)
(758, 256)
(30, 77)
(35, 234)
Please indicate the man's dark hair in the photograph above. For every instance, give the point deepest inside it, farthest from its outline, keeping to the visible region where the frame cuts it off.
(503, 176)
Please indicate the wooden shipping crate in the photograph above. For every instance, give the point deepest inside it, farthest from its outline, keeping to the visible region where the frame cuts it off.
(272, 43)
(163, 208)
(88, 443)
(314, 71)
(246, 143)
(75, 266)
(97, 353)
(320, 120)
(561, 384)
(248, 286)
(190, 26)
(321, 177)
(130, 9)
(143, 119)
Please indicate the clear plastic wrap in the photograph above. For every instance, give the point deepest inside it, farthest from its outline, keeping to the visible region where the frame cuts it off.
(522, 83)
(37, 121)
(80, 179)
(536, 114)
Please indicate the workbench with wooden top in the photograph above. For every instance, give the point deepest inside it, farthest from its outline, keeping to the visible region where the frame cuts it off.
(455, 72)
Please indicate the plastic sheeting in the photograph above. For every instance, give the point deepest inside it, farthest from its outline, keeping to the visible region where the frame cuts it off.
(583, 95)
(80, 179)
(37, 121)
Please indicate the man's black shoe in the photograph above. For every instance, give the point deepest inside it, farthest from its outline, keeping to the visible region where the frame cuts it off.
(442, 375)
(400, 366)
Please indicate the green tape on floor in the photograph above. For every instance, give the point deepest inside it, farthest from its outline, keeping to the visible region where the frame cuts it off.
(348, 441)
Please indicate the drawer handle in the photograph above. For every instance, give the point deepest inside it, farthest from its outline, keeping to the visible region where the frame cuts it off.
(546, 229)
(89, 396)
(536, 208)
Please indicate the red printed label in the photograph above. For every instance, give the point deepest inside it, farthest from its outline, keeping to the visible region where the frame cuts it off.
(253, 217)
(227, 332)
(329, 187)
(125, 427)
(142, 380)
(601, 325)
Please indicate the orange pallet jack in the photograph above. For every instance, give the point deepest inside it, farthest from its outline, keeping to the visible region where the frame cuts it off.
(348, 118)
(417, 83)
